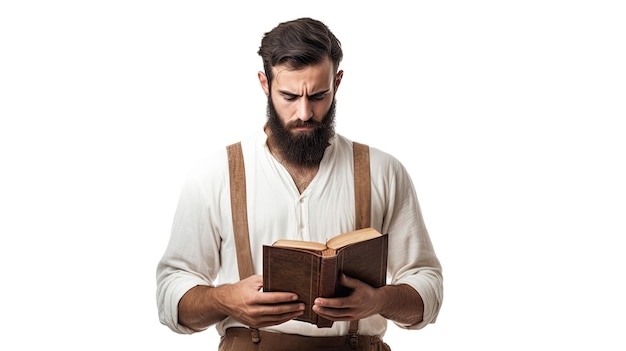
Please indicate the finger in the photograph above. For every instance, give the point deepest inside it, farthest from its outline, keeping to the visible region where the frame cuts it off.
(276, 314)
(332, 302)
(350, 282)
(337, 314)
(286, 309)
(269, 320)
(276, 297)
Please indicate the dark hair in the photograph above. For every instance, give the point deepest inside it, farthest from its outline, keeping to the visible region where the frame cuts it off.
(299, 43)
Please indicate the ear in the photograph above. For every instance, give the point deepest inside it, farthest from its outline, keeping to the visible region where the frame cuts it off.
(264, 84)
(338, 78)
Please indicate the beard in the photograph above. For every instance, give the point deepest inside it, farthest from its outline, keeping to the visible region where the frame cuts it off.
(301, 149)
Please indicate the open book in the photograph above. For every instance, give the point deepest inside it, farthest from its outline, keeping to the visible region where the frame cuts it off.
(312, 269)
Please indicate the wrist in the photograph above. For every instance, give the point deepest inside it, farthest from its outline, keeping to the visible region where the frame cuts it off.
(402, 304)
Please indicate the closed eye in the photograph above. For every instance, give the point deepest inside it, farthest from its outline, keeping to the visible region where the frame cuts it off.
(291, 97)
(316, 97)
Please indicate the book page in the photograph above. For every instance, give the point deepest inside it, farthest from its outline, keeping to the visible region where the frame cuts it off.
(352, 237)
(300, 244)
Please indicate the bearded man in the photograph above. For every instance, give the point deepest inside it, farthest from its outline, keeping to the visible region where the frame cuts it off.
(299, 183)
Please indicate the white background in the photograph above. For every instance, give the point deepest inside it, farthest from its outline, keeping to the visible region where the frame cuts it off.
(508, 114)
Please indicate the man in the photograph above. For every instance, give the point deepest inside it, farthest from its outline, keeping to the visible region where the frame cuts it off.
(299, 185)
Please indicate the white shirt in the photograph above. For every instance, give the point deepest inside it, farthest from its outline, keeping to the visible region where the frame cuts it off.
(202, 246)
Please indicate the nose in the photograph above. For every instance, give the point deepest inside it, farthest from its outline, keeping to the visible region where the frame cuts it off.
(304, 110)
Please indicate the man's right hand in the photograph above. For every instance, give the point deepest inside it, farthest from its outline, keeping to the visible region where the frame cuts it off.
(203, 306)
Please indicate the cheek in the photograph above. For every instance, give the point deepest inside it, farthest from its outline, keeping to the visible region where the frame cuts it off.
(320, 110)
(283, 108)
(284, 111)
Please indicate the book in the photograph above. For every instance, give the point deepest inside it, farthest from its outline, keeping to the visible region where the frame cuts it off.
(312, 269)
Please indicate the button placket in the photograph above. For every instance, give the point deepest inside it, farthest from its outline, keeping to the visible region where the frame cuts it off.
(303, 218)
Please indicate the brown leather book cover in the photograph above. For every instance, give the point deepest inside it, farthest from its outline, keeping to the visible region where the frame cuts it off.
(314, 270)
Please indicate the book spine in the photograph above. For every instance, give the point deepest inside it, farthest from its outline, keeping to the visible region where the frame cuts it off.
(328, 276)
(328, 284)
(383, 260)
(267, 286)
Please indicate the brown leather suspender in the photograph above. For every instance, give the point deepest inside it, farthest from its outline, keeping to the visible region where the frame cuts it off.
(362, 207)
(239, 210)
(362, 186)
(362, 202)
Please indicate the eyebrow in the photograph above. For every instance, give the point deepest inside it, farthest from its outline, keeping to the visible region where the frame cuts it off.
(319, 93)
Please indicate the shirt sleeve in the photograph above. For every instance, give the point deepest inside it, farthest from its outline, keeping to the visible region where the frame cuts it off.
(412, 259)
(192, 256)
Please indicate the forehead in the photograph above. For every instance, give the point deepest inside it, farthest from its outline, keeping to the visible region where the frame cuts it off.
(312, 78)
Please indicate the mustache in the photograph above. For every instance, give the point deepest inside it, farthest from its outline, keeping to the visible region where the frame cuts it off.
(304, 124)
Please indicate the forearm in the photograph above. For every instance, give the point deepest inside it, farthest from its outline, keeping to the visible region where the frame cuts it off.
(202, 307)
(402, 304)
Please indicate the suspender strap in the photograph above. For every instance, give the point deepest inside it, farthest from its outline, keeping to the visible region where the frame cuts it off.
(239, 209)
(362, 186)
(362, 208)
(362, 205)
